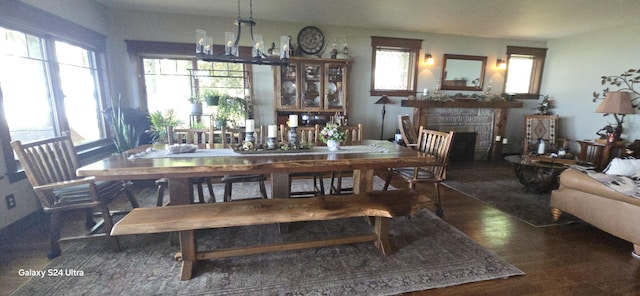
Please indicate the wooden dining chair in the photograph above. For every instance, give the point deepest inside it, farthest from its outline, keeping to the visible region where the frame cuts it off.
(305, 134)
(229, 140)
(408, 132)
(432, 143)
(352, 134)
(50, 166)
(197, 136)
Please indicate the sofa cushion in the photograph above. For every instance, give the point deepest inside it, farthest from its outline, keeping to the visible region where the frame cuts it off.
(623, 167)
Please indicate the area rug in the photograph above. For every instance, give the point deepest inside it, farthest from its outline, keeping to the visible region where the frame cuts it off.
(499, 187)
(427, 253)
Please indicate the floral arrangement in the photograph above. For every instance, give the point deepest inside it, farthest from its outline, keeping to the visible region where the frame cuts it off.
(332, 132)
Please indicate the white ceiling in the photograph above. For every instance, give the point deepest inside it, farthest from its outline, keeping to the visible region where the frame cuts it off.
(512, 19)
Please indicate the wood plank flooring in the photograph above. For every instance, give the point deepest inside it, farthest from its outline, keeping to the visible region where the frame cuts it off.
(575, 259)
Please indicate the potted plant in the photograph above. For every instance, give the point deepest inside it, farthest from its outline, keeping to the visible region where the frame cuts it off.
(196, 105)
(332, 135)
(160, 122)
(231, 109)
(211, 97)
(125, 135)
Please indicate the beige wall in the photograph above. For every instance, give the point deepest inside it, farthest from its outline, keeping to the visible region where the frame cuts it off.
(181, 28)
(572, 73)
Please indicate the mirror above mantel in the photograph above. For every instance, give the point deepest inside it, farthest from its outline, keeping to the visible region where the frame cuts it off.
(463, 72)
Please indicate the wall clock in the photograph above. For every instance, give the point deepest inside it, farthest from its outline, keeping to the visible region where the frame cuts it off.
(310, 40)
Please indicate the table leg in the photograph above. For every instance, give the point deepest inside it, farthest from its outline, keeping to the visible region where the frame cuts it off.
(362, 181)
(181, 193)
(280, 189)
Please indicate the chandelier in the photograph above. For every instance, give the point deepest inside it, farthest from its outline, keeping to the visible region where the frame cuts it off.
(231, 54)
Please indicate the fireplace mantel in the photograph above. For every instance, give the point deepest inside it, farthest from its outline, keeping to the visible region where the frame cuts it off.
(421, 108)
(462, 103)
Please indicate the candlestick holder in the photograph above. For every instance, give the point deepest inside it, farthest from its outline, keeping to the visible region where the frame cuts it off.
(293, 135)
(248, 137)
(271, 143)
(249, 142)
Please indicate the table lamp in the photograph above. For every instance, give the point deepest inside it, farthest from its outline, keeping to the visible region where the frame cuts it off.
(618, 104)
(384, 100)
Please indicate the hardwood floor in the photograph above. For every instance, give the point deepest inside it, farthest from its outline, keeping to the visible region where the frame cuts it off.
(575, 259)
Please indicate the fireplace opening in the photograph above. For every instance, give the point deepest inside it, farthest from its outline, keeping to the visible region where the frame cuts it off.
(463, 147)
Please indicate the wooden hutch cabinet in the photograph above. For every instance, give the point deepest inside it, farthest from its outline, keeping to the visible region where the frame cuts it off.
(312, 87)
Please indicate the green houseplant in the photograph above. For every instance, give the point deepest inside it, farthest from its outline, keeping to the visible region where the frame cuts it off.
(160, 122)
(231, 109)
(211, 97)
(125, 135)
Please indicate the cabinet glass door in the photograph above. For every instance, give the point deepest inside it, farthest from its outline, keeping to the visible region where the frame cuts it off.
(288, 89)
(335, 92)
(312, 91)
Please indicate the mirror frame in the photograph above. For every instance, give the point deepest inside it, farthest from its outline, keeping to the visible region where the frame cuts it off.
(451, 86)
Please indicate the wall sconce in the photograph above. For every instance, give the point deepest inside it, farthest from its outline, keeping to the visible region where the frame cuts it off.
(501, 64)
(428, 59)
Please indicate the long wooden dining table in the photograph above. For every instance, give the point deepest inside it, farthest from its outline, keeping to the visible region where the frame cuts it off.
(363, 161)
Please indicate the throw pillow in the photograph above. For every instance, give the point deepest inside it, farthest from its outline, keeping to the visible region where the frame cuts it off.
(623, 167)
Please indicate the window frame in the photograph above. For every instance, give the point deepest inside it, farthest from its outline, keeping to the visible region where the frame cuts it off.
(413, 46)
(539, 55)
(34, 21)
(139, 50)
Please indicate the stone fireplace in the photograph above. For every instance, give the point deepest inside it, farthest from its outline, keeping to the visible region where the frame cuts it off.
(486, 119)
(465, 121)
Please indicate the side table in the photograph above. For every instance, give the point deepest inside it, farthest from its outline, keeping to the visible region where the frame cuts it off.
(538, 174)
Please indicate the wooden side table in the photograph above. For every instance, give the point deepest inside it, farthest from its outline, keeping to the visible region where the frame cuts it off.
(600, 154)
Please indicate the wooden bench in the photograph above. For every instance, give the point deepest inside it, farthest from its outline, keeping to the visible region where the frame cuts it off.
(380, 206)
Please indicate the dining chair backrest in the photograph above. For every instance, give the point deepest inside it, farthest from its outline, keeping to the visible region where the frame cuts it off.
(306, 134)
(232, 137)
(353, 133)
(408, 132)
(47, 161)
(438, 145)
(190, 135)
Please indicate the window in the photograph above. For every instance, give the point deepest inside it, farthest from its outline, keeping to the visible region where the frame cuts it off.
(32, 108)
(172, 75)
(524, 72)
(394, 66)
(52, 79)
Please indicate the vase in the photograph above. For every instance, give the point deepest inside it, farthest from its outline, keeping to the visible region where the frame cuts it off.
(333, 145)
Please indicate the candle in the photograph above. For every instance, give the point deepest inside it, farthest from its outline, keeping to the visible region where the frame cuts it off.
(293, 120)
(272, 130)
(250, 125)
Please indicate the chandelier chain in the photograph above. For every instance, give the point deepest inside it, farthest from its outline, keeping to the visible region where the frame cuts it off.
(250, 9)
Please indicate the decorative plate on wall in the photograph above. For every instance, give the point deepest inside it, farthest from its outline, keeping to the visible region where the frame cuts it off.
(310, 40)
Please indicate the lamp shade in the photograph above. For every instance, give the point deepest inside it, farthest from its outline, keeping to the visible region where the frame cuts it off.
(383, 100)
(616, 103)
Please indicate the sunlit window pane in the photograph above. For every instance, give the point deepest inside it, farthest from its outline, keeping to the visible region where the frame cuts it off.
(392, 69)
(78, 81)
(166, 86)
(25, 87)
(170, 82)
(519, 75)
